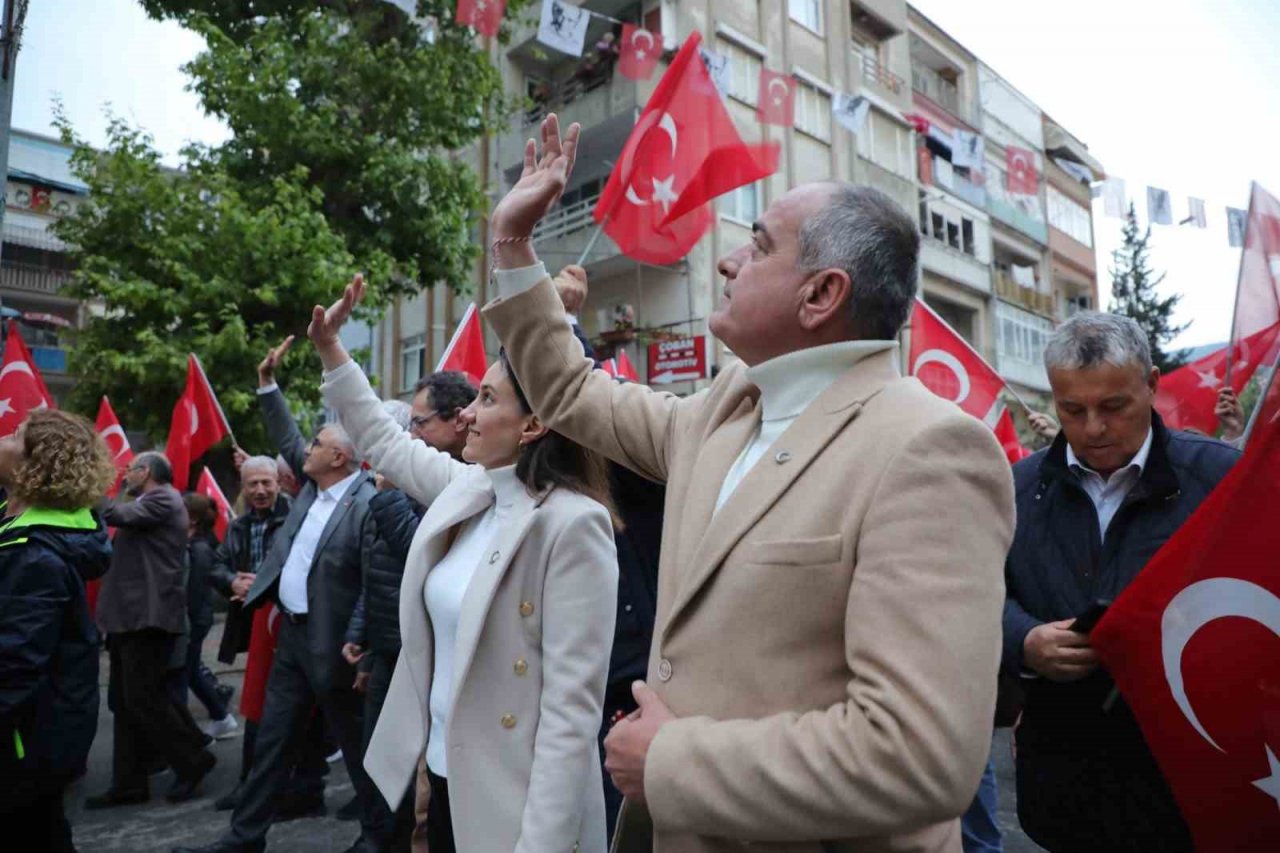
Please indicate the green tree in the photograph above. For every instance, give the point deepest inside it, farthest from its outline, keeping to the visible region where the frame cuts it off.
(1133, 294)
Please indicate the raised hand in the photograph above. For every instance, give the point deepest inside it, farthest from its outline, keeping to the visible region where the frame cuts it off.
(267, 367)
(541, 182)
(327, 323)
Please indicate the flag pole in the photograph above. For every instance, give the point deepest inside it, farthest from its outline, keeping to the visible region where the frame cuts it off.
(226, 423)
(591, 244)
(1235, 308)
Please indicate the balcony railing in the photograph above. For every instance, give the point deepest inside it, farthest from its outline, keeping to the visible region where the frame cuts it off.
(558, 97)
(936, 88)
(1010, 291)
(875, 72)
(34, 278)
(565, 220)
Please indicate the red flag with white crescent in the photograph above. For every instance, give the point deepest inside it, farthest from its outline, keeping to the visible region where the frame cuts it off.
(22, 389)
(197, 424)
(639, 52)
(1020, 167)
(776, 102)
(465, 352)
(1185, 397)
(108, 426)
(949, 367)
(483, 16)
(209, 487)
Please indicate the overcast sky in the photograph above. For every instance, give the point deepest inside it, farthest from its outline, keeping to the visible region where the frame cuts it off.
(1173, 93)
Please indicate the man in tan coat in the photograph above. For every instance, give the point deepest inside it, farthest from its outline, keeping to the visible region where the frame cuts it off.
(823, 670)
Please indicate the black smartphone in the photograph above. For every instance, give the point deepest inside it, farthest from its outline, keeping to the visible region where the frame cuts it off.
(1085, 621)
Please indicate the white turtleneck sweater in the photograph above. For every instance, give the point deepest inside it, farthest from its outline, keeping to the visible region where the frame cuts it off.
(788, 384)
(445, 588)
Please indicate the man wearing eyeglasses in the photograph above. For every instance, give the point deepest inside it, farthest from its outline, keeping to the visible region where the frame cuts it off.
(313, 573)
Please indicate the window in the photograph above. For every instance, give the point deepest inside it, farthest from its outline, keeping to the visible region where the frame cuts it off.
(1070, 217)
(744, 71)
(1023, 335)
(949, 228)
(807, 13)
(887, 144)
(742, 204)
(412, 351)
(966, 230)
(813, 111)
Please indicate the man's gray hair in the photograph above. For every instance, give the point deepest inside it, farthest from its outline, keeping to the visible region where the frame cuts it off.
(343, 441)
(868, 235)
(401, 411)
(1091, 338)
(265, 464)
(157, 465)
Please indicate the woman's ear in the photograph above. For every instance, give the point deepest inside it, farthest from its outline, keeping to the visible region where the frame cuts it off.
(534, 429)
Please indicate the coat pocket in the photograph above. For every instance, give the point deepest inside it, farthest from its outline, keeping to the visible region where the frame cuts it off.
(814, 551)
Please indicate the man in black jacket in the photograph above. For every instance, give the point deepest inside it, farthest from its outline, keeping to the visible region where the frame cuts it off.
(373, 640)
(1092, 509)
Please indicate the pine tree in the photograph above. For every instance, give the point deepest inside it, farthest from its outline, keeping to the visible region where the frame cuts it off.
(1133, 293)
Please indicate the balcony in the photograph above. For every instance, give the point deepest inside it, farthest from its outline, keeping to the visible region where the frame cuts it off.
(50, 359)
(564, 233)
(938, 89)
(876, 75)
(606, 107)
(33, 279)
(1026, 297)
(954, 182)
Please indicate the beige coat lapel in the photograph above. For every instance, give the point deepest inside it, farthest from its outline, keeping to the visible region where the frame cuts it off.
(793, 452)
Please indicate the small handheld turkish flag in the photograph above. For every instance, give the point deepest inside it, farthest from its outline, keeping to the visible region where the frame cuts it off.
(949, 367)
(620, 367)
(483, 16)
(197, 424)
(639, 53)
(465, 352)
(1194, 645)
(777, 99)
(108, 426)
(22, 389)
(683, 152)
(1020, 164)
(209, 487)
(1186, 397)
(1007, 435)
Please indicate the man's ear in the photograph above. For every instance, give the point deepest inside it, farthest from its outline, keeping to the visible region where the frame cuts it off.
(825, 295)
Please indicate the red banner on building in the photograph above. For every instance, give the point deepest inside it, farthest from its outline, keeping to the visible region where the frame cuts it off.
(682, 360)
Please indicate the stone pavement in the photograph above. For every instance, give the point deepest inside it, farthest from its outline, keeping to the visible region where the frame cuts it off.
(155, 827)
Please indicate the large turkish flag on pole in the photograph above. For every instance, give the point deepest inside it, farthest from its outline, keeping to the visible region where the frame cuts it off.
(950, 368)
(108, 426)
(1186, 396)
(1257, 305)
(197, 424)
(682, 153)
(21, 388)
(1194, 645)
(465, 352)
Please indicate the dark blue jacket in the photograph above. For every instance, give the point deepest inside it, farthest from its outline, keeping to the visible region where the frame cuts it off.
(375, 623)
(1058, 565)
(49, 645)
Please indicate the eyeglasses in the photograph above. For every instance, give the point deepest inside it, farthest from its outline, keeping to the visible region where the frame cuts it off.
(419, 421)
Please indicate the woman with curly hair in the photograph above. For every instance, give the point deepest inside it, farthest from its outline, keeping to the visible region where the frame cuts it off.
(54, 468)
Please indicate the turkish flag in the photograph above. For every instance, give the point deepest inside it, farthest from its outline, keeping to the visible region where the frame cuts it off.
(108, 426)
(1020, 166)
(209, 487)
(1258, 286)
(682, 153)
(640, 52)
(1007, 435)
(465, 352)
(1185, 397)
(483, 16)
(949, 367)
(262, 651)
(197, 424)
(776, 103)
(621, 367)
(1194, 646)
(22, 389)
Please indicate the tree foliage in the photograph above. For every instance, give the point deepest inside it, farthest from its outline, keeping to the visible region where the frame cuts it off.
(1133, 294)
(346, 128)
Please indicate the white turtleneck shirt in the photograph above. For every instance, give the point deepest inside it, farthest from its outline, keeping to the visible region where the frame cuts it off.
(443, 592)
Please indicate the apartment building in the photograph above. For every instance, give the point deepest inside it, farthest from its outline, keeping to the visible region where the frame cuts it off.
(1001, 267)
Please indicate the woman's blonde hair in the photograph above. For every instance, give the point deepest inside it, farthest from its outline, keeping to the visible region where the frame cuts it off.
(65, 463)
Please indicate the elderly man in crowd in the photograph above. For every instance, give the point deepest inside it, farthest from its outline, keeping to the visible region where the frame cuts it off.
(143, 611)
(313, 573)
(1092, 510)
(823, 668)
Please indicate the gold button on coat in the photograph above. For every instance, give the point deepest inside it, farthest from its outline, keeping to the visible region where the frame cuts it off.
(526, 608)
(664, 669)
(521, 667)
(508, 721)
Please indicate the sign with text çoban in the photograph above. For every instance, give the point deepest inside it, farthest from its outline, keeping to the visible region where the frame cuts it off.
(681, 360)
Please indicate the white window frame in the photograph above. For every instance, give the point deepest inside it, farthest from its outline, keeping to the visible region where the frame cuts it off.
(743, 204)
(409, 346)
(745, 63)
(806, 13)
(903, 148)
(813, 110)
(1069, 216)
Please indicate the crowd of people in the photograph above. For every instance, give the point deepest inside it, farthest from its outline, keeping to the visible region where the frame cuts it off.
(560, 609)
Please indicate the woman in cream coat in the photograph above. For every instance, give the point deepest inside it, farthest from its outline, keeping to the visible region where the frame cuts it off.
(506, 615)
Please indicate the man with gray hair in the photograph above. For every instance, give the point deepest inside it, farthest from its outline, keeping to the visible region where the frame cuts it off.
(1093, 508)
(823, 667)
(313, 574)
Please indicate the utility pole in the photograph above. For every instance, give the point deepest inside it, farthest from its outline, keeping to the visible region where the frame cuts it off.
(15, 13)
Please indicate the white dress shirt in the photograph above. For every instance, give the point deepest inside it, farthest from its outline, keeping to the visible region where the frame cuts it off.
(443, 592)
(1109, 493)
(293, 577)
(788, 385)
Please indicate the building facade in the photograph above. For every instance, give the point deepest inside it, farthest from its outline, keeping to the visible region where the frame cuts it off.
(1002, 267)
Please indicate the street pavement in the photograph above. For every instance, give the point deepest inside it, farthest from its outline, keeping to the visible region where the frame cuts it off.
(157, 826)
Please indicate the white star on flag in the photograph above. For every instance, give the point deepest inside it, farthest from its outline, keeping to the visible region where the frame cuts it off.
(1208, 378)
(664, 193)
(1271, 784)
(5, 408)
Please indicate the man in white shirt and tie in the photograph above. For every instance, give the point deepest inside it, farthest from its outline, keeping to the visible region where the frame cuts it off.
(313, 573)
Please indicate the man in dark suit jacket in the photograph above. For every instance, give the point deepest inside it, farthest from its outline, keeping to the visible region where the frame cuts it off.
(313, 575)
